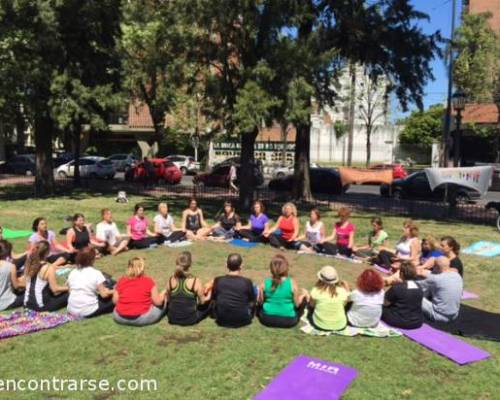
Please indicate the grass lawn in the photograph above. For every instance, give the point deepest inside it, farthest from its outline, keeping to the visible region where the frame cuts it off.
(208, 362)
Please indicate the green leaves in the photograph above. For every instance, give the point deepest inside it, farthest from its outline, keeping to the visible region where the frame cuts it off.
(422, 127)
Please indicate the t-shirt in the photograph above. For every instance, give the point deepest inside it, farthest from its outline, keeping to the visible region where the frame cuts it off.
(329, 312)
(406, 302)
(343, 233)
(366, 308)
(134, 295)
(258, 223)
(313, 233)
(82, 283)
(51, 236)
(430, 254)
(227, 222)
(164, 223)
(107, 232)
(456, 263)
(7, 296)
(280, 301)
(138, 227)
(377, 241)
(233, 295)
(445, 292)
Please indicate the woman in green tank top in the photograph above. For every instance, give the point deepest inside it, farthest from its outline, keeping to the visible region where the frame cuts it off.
(282, 303)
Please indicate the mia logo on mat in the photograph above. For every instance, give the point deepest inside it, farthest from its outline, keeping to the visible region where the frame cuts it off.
(329, 369)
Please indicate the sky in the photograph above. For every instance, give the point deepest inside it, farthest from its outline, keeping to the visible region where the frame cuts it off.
(439, 12)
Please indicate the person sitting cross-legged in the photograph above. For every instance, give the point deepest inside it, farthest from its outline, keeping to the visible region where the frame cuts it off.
(366, 300)
(108, 233)
(165, 228)
(285, 232)
(283, 303)
(327, 301)
(227, 223)
(403, 301)
(136, 297)
(138, 230)
(187, 302)
(11, 285)
(233, 296)
(89, 294)
(442, 292)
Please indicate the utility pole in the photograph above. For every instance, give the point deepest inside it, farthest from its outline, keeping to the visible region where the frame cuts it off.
(447, 121)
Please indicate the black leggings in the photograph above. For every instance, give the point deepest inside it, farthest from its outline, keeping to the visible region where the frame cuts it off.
(18, 302)
(392, 319)
(202, 311)
(52, 302)
(278, 241)
(67, 257)
(105, 306)
(143, 243)
(175, 236)
(19, 263)
(274, 321)
(334, 249)
(251, 235)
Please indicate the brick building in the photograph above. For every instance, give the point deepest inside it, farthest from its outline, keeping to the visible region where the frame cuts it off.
(481, 6)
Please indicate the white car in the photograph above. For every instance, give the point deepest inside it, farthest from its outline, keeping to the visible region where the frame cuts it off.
(186, 164)
(90, 167)
(281, 172)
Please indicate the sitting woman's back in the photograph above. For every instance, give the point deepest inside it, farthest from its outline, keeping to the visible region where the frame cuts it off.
(403, 301)
(185, 293)
(367, 300)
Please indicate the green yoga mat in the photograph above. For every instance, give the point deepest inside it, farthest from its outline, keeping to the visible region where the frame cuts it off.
(12, 234)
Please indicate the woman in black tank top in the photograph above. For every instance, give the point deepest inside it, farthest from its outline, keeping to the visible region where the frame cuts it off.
(185, 295)
(193, 223)
(78, 237)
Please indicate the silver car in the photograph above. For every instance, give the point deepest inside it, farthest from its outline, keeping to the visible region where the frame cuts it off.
(90, 167)
(186, 164)
(122, 161)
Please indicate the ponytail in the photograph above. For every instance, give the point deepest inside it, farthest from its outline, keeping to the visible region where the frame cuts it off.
(36, 258)
(279, 269)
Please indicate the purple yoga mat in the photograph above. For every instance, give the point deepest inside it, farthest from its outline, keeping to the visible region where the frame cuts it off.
(307, 378)
(446, 345)
(469, 295)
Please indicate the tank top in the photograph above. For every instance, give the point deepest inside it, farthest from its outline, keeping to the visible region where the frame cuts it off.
(279, 302)
(82, 238)
(37, 290)
(286, 227)
(193, 221)
(182, 304)
(313, 233)
(403, 248)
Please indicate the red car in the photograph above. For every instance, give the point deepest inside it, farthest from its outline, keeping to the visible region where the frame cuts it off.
(165, 171)
(398, 170)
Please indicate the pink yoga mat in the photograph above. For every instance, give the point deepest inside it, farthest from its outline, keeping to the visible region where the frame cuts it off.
(446, 345)
(469, 295)
(307, 378)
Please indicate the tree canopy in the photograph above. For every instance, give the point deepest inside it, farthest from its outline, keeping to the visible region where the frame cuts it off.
(423, 127)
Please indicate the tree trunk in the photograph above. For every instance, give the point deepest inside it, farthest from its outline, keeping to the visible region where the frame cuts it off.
(283, 134)
(302, 180)
(246, 176)
(44, 178)
(368, 146)
(76, 154)
(352, 111)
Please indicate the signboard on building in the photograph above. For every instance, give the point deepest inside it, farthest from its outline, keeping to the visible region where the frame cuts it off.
(270, 153)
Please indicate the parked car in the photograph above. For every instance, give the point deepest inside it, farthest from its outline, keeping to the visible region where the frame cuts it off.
(90, 167)
(219, 176)
(61, 159)
(122, 162)
(23, 164)
(186, 164)
(398, 170)
(416, 186)
(323, 181)
(165, 172)
(281, 171)
(236, 160)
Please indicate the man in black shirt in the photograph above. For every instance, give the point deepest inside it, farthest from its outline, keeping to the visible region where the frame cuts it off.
(233, 296)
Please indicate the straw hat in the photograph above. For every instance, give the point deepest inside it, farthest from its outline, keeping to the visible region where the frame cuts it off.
(328, 274)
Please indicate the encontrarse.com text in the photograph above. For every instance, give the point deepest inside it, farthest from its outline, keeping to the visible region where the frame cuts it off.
(77, 385)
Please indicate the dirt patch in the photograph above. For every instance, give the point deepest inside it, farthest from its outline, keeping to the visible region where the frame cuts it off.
(179, 339)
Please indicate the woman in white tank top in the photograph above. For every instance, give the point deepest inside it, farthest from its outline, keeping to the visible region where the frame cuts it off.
(314, 233)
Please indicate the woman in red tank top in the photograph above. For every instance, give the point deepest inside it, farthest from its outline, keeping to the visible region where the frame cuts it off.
(286, 230)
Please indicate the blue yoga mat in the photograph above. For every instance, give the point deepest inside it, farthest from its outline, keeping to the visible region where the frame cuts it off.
(242, 243)
(484, 249)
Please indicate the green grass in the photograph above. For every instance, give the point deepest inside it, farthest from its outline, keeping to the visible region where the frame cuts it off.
(208, 362)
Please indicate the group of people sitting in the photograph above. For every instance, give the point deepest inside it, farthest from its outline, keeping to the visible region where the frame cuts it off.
(426, 279)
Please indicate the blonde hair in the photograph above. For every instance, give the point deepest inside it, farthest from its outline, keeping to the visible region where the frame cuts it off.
(344, 212)
(292, 206)
(412, 226)
(433, 242)
(136, 267)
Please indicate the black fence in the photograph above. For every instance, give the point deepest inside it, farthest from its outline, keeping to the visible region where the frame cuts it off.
(15, 187)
